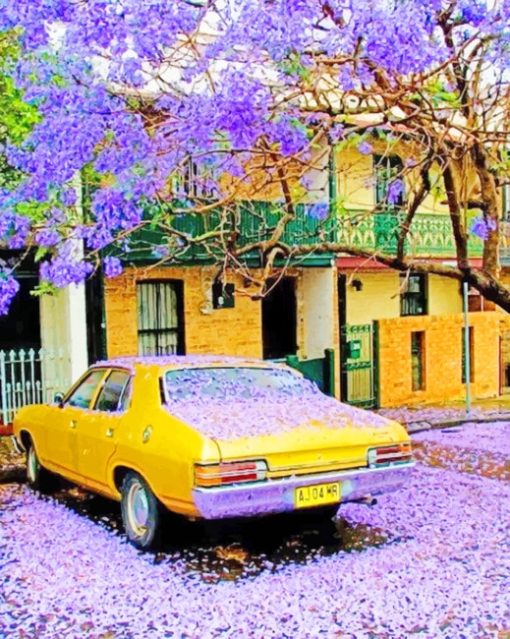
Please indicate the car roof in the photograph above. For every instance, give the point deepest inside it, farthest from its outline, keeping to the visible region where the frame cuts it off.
(169, 362)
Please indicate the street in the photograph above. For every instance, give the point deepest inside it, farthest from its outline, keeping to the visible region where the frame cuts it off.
(432, 560)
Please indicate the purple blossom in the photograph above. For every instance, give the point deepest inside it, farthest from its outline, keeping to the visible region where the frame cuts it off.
(482, 226)
(395, 191)
(162, 251)
(68, 197)
(9, 287)
(318, 211)
(112, 266)
(66, 267)
(47, 238)
(365, 148)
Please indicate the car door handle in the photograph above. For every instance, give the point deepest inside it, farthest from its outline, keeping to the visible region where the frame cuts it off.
(73, 423)
(109, 432)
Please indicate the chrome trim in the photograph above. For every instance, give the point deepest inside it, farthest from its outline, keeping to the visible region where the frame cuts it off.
(277, 495)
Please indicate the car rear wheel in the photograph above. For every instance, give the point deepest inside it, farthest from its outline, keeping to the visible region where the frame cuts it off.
(141, 514)
(38, 477)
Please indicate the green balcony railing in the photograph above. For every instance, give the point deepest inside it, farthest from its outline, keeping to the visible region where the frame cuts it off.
(251, 222)
(430, 234)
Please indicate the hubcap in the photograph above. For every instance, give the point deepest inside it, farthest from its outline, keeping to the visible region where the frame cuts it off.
(32, 465)
(137, 509)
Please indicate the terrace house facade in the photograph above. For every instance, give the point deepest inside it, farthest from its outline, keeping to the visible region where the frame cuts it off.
(390, 338)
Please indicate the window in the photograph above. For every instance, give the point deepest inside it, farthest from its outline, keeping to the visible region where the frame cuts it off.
(110, 396)
(388, 169)
(125, 399)
(83, 394)
(413, 294)
(505, 197)
(195, 180)
(232, 383)
(418, 360)
(471, 339)
(160, 318)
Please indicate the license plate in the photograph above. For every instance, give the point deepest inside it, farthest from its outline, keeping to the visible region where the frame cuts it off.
(317, 495)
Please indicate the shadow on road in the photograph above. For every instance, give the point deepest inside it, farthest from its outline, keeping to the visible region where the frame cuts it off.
(234, 549)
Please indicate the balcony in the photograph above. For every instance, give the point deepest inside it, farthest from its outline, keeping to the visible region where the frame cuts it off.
(251, 221)
(430, 234)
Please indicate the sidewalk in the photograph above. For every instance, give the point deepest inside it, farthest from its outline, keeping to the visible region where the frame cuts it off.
(418, 418)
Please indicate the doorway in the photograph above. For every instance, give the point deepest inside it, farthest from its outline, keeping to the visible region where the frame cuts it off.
(279, 319)
(21, 328)
(504, 362)
(357, 358)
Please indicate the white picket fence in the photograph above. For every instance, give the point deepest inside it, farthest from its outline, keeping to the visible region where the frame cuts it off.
(28, 376)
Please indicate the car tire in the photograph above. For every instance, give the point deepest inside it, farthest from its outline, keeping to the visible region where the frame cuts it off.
(38, 478)
(141, 512)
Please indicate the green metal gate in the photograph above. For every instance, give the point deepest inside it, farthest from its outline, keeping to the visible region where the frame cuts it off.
(357, 372)
(321, 370)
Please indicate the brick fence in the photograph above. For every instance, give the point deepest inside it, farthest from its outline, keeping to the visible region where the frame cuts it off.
(442, 344)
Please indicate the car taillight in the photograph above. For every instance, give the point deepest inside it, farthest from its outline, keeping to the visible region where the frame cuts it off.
(207, 475)
(386, 455)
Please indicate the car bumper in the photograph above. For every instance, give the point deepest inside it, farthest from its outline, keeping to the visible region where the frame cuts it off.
(277, 495)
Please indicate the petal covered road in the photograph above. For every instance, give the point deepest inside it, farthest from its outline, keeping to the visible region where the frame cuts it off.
(430, 561)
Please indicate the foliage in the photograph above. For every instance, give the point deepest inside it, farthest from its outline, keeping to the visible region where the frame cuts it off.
(145, 94)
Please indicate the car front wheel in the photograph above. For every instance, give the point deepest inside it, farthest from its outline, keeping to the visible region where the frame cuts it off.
(38, 477)
(140, 512)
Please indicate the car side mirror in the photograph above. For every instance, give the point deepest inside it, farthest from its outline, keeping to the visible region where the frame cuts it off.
(58, 399)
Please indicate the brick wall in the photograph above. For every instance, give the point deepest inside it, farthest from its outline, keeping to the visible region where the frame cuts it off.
(443, 356)
(236, 331)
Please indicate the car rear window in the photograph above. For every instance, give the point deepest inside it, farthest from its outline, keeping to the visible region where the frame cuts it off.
(233, 382)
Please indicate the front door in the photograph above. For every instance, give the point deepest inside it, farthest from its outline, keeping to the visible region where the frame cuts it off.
(504, 358)
(279, 319)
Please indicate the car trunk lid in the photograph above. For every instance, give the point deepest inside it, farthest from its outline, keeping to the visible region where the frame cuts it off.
(312, 433)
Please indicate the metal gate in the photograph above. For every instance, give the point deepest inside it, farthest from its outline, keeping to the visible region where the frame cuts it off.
(357, 365)
(320, 370)
(28, 377)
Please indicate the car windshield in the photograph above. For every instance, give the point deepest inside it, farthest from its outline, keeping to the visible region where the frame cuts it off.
(222, 383)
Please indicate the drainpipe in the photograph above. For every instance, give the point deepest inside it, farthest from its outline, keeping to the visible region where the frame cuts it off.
(467, 354)
(332, 180)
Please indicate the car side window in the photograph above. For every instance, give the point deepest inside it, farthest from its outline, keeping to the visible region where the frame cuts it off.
(83, 394)
(126, 395)
(109, 399)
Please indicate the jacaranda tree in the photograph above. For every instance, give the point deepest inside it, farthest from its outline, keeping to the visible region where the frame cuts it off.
(123, 97)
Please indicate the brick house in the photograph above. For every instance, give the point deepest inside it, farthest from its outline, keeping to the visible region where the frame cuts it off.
(397, 338)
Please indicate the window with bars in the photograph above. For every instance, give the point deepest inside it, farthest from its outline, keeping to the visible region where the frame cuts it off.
(418, 360)
(160, 317)
(471, 339)
(195, 180)
(413, 294)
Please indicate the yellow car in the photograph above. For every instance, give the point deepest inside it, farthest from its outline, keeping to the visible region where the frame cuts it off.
(209, 437)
